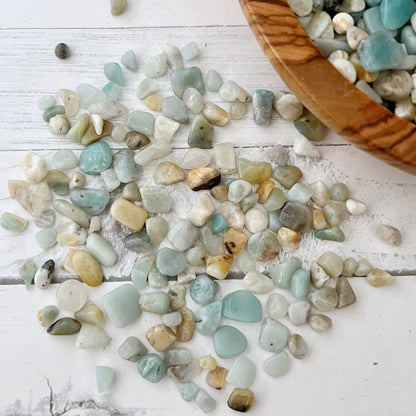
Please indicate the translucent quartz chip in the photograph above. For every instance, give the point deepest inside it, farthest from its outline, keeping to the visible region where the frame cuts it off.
(71, 295)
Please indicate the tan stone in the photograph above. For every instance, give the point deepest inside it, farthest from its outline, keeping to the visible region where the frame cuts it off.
(168, 173)
(160, 337)
(216, 378)
(208, 362)
(91, 135)
(264, 190)
(185, 330)
(235, 240)
(318, 219)
(215, 114)
(135, 140)
(219, 266)
(254, 172)
(379, 278)
(154, 102)
(90, 313)
(220, 193)
(87, 268)
(128, 214)
(203, 178)
(241, 400)
(289, 239)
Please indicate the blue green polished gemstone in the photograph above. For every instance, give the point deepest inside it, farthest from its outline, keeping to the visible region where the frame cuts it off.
(92, 201)
(218, 223)
(129, 60)
(273, 335)
(242, 306)
(104, 376)
(201, 133)
(170, 262)
(300, 283)
(242, 373)
(114, 73)
(203, 289)
(141, 121)
(140, 271)
(125, 167)
(53, 111)
(208, 317)
(95, 158)
(188, 390)
(282, 273)
(151, 367)
(395, 13)
(155, 302)
(183, 78)
(331, 234)
(112, 90)
(229, 342)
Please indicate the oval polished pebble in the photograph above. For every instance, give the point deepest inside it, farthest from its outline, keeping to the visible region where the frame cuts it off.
(170, 262)
(95, 158)
(319, 323)
(229, 342)
(128, 214)
(47, 315)
(151, 367)
(297, 346)
(101, 249)
(71, 295)
(300, 283)
(72, 212)
(242, 306)
(203, 289)
(65, 326)
(87, 268)
(273, 335)
(277, 365)
(241, 373)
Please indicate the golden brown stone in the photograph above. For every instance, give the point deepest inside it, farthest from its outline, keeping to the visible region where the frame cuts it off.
(216, 378)
(185, 330)
(220, 193)
(160, 337)
(87, 268)
(135, 140)
(264, 191)
(235, 240)
(346, 295)
(289, 239)
(241, 400)
(318, 219)
(254, 172)
(219, 266)
(91, 135)
(168, 173)
(128, 214)
(203, 178)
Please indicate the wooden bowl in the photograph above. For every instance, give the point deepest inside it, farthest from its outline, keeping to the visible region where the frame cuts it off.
(324, 91)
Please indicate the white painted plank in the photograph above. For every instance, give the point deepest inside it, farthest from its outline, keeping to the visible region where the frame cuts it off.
(361, 366)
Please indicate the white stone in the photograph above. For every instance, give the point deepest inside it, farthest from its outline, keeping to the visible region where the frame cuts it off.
(95, 225)
(172, 318)
(33, 167)
(119, 131)
(276, 306)
(196, 158)
(77, 180)
(395, 85)
(71, 234)
(97, 122)
(346, 68)
(202, 211)
(341, 22)
(318, 275)
(366, 89)
(257, 282)
(405, 109)
(108, 108)
(338, 54)
(230, 91)
(225, 158)
(354, 36)
(165, 128)
(321, 195)
(238, 189)
(245, 263)
(304, 147)
(91, 336)
(232, 213)
(193, 100)
(173, 53)
(71, 295)
(59, 125)
(317, 26)
(186, 276)
(153, 151)
(146, 87)
(256, 220)
(289, 107)
(301, 7)
(111, 182)
(298, 312)
(355, 207)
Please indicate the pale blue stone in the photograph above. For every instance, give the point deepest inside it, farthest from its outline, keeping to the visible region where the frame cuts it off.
(101, 249)
(95, 158)
(372, 20)
(146, 87)
(262, 106)
(213, 80)
(273, 335)
(238, 189)
(282, 273)
(274, 222)
(110, 180)
(177, 356)
(129, 61)
(156, 66)
(112, 90)
(174, 108)
(92, 201)
(170, 262)
(104, 376)
(138, 242)
(219, 223)
(141, 270)
(156, 199)
(65, 159)
(172, 318)
(277, 365)
(182, 79)
(203, 289)
(125, 167)
(27, 272)
(205, 402)
(241, 373)
(155, 302)
(46, 238)
(114, 73)
(207, 317)
(156, 279)
(188, 390)
(189, 51)
(132, 349)
(141, 121)
(45, 102)
(183, 235)
(395, 13)
(89, 95)
(151, 367)
(53, 111)
(242, 306)
(122, 305)
(229, 342)
(408, 37)
(300, 283)
(329, 45)
(299, 193)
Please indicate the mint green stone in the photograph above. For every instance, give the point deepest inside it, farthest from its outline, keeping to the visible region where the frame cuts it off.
(155, 302)
(46, 102)
(132, 349)
(58, 181)
(188, 390)
(156, 199)
(277, 365)
(65, 159)
(47, 315)
(141, 121)
(183, 78)
(110, 180)
(156, 66)
(331, 234)
(299, 193)
(213, 80)
(101, 249)
(92, 201)
(125, 167)
(241, 373)
(89, 95)
(219, 223)
(189, 51)
(205, 402)
(275, 200)
(114, 73)
(112, 90)
(170, 262)
(53, 111)
(300, 283)
(248, 202)
(274, 222)
(242, 306)
(201, 133)
(195, 255)
(262, 106)
(138, 242)
(156, 279)
(203, 289)
(183, 234)
(282, 273)
(207, 317)
(310, 127)
(104, 376)
(151, 367)
(229, 342)
(46, 238)
(174, 108)
(395, 13)
(140, 271)
(95, 158)
(122, 305)
(408, 38)
(273, 335)
(129, 61)
(27, 272)
(64, 326)
(12, 222)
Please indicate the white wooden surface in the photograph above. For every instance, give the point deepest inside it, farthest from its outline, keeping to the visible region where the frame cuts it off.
(364, 365)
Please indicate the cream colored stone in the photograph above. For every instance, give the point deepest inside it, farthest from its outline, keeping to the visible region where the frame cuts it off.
(202, 211)
(128, 214)
(168, 173)
(160, 337)
(87, 268)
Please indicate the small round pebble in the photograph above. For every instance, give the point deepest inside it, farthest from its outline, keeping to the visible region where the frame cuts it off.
(71, 295)
(298, 312)
(389, 234)
(319, 323)
(62, 51)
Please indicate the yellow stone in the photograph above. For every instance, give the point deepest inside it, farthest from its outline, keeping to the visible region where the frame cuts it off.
(128, 214)
(362, 74)
(168, 173)
(160, 337)
(235, 240)
(220, 193)
(379, 278)
(154, 102)
(289, 239)
(208, 362)
(264, 191)
(90, 313)
(254, 172)
(241, 400)
(91, 135)
(68, 263)
(87, 268)
(185, 330)
(219, 266)
(216, 378)
(318, 220)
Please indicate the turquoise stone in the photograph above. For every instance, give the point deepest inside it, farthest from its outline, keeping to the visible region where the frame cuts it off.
(92, 201)
(170, 262)
(183, 235)
(112, 90)
(188, 390)
(65, 159)
(300, 283)
(218, 223)
(141, 270)
(277, 365)
(104, 376)
(380, 51)
(101, 249)
(122, 305)
(183, 78)
(203, 289)
(64, 326)
(12, 222)
(89, 95)
(273, 335)
(262, 106)
(138, 242)
(207, 317)
(156, 199)
(189, 51)
(132, 349)
(242, 306)
(114, 73)
(151, 367)
(95, 158)
(408, 37)
(53, 111)
(155, 302)
(310, 127)
(372, 3)
(274, 222)
(141, 121)
(129, 60)
(282, 273)
(46, 238)
(156, 279)
(174, 108)
(125, 167)
(229, 342)
(205, 402)
(331, 234)
(156, 66)
(201, 133)
(299, 193)
(213, 80)
(46, 102)
(395, 13)
(27, 272)
(241, 373)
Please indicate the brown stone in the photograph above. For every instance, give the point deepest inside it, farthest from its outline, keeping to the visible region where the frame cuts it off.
(264, 191)
(220, 193)
(216, 378)
(135, 140)
(241, 400)
(346, 295)
(203, 178)
(235, 240)
(318, 219)
(91, 135)
(289, 239)
(185, 330)
(219, 266)
(160, 337)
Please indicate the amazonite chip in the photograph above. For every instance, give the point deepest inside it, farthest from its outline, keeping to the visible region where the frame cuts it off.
(151, 367)
(95, 158)
(183, 78)
(229, 342)
(242, 306)
(170, 262)
(300, 283)
(277, 365)
(273, 335)
(92, 201)
(282, 273)
(208, 317)
(242, 373)
(141, 121)
(203, 289)
(104, 376)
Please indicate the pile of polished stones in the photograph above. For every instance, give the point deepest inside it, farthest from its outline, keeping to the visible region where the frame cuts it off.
(246, 212)
(372, 43)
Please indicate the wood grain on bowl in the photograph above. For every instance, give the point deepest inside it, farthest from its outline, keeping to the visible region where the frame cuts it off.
(324, 91)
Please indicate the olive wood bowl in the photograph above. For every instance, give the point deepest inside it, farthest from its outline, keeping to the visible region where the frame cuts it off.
(324, 91)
